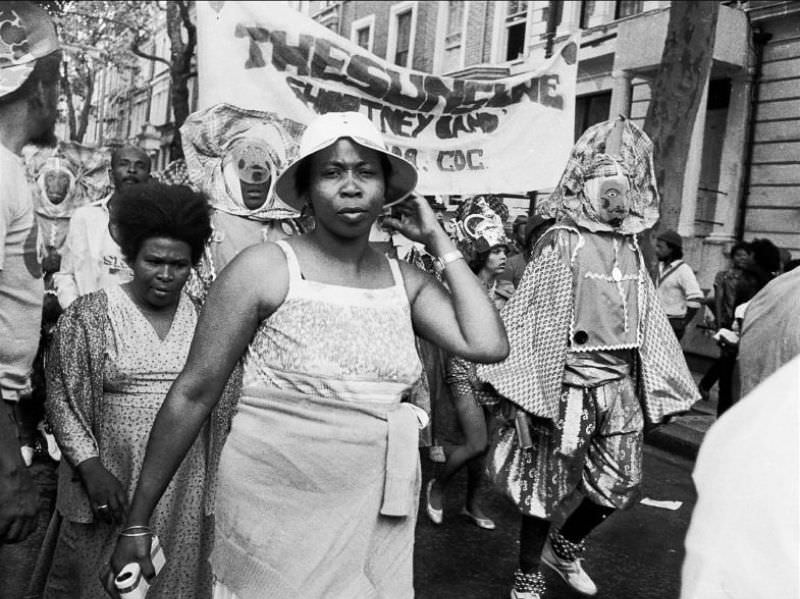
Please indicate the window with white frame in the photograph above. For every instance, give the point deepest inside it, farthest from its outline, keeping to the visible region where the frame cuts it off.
(516, 17)
(453, 53)
(362, 32)
(627, 8)
(588, 10)
(402, 29)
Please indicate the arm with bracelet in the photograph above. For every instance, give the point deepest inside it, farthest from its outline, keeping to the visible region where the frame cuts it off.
(461, 318)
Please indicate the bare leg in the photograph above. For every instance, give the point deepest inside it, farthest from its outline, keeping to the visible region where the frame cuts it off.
(473, 425)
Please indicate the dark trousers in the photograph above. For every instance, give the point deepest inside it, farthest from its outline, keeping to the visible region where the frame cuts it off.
(18, 560)
(721, 371)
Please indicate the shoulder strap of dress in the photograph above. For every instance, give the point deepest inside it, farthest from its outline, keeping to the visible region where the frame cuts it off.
(397, 275)
(291, 260)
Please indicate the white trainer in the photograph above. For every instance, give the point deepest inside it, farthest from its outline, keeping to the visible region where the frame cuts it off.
(515, 594)
(570, 570)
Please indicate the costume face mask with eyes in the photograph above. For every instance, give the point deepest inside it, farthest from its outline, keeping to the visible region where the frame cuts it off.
(607, 185)
(57, 183)
(609, 196)
(249, 166)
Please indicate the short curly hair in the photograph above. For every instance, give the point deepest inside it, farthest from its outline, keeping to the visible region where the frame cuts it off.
(147, 210)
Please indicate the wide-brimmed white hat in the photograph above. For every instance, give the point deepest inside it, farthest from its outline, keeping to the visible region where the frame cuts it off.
(327, 129)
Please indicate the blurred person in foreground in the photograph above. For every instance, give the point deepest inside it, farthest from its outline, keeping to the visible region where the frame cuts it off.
(91, 259)
(677, 287)
(593, 358)
(113, 357)
(29, 74)
(484, 244)
(744, 538)
(325, 503)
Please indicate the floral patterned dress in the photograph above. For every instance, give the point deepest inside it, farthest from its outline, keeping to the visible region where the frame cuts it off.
(138, 369)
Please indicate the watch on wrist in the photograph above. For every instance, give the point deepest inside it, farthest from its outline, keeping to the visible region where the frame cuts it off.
(441, 262)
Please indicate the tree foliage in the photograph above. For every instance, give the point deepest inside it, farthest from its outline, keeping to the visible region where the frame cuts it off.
(101, 33)
(95, 34)
(182, 34)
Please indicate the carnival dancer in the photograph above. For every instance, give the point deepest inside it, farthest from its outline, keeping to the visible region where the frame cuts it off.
(319, 478)
(234, 155)
(482, 240)
(593, 357)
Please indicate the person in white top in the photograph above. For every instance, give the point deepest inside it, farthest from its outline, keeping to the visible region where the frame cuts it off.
(677, 287)
(744, 538)
(30, 57)
(91, 259)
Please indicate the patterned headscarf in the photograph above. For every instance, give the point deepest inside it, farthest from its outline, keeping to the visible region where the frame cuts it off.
(224, 141)
(590, 160)
(479, 225)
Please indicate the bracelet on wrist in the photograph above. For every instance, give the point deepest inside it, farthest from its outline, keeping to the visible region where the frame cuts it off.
(138, 530)
(441, 262)
(144, 533)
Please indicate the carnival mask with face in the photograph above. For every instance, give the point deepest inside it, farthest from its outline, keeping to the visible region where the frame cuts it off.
(56, 185)
(55, 181)
(609, 193)
(251, 162)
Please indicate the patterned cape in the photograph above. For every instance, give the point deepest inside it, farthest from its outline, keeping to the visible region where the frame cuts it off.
(537, 319)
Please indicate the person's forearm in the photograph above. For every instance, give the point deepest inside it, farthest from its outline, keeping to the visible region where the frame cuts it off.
(176, 427)
(478, 319)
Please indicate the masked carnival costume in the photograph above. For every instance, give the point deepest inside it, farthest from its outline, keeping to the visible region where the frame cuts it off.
(63, 179)
(234, 155)
(592, 354)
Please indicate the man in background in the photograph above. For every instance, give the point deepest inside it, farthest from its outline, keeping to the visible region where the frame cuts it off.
(677, 287)
(91, 259)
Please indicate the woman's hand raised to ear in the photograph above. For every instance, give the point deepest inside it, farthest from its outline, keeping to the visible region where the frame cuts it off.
(415, 219)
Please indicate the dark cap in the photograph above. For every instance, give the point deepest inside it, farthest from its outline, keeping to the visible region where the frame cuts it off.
(672, 238)
(534, 223)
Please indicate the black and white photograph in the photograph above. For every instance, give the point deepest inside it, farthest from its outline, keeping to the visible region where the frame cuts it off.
(433, 299)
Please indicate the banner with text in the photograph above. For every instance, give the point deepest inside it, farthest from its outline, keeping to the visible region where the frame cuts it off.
(465, 136)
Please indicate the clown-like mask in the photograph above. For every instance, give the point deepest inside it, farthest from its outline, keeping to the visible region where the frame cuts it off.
(610, 197)
(255, 169)
(56, 185)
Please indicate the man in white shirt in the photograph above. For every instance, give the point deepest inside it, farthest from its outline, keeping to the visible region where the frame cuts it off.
(91, 259)
(677, 287)
(30, 56)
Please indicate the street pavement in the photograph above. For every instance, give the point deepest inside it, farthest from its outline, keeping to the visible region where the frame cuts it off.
(636, 554)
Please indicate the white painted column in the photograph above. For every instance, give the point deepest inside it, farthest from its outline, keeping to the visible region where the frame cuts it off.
(691, 176)
(734, 154)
